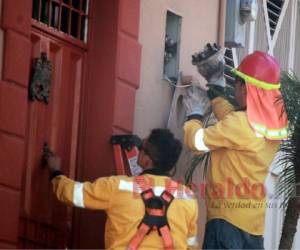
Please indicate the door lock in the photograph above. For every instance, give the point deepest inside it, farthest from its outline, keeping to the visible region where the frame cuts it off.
(46, 153)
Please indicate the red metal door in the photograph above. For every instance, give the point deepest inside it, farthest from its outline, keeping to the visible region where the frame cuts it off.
(44, 222)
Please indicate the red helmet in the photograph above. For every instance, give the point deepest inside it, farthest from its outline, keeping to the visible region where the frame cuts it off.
(261, 66)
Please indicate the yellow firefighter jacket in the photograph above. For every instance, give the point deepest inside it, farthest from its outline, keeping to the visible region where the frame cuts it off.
(119, 197)
(240, 159)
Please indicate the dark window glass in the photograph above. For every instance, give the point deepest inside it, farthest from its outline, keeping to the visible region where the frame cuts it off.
(64, 20)
(76, 4)
(54, 15)
(74, 24)
(35, 9)
(84, 6)
(45, 11)
(67, 16)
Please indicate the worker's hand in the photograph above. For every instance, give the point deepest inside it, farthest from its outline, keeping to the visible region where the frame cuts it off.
(53, 162)
(196, 101)
(210, 64)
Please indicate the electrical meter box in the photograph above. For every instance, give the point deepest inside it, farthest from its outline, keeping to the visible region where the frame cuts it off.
(238, 12)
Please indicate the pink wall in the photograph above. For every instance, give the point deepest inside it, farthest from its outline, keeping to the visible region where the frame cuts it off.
(200, 24)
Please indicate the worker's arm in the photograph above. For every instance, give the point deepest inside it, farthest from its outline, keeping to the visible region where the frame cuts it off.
(95, 195)
(190, 128)
(227, 133)
(221, 107)
(92, 195)
(210, 64)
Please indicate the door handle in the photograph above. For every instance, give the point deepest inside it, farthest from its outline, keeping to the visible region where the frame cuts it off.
(45, 153)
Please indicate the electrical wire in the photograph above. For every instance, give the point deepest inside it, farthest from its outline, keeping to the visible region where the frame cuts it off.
(166, 78)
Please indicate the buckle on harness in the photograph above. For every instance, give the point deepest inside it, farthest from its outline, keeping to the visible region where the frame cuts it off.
(155, 218)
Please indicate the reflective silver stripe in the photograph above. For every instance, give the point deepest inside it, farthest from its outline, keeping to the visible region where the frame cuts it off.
(78, 195)
(127, 186)
(192, 241)
(186, 194)
(258, 135)
(199, 140)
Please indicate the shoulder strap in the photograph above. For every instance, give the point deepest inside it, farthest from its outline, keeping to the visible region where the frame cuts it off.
(155, 217)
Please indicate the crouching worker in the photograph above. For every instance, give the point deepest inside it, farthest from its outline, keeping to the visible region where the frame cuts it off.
(150, 211)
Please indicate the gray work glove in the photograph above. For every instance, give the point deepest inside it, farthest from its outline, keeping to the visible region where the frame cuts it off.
(196, 101)
(210, 64)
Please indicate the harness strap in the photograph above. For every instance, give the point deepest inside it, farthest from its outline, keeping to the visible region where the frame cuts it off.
(167, 238)
(142, 183)
(172, 186)
(155, 217)
(155, 211)
(138, 237)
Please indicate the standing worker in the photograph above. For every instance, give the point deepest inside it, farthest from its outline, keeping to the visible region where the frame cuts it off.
(150, 211)
(242, 145)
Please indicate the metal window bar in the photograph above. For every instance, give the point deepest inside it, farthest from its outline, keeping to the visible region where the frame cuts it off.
(84, 28)
(40, 10)
(229, 61)
(69, 21)
(274, 5)
(272, 22)
(59, 16)
(70, 7)
(229, 64)
(272, 30)
(81, 13)
(273, 13)
(86, 18)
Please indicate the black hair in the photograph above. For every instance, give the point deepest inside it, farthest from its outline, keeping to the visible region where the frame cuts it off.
(164, 150)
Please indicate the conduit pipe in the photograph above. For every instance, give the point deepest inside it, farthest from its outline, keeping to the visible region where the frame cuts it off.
(221, 28)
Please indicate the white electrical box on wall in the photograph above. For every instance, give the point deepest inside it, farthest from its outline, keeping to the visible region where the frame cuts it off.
(234, 28)
(172, 46)
(238, 12)
(248, 10)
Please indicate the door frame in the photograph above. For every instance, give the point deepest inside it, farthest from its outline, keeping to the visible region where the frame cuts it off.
(107, 103)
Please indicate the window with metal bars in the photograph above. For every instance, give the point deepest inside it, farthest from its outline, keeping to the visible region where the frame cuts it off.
(67, 16)
(229, 76)
(229, 64)
(274, 9)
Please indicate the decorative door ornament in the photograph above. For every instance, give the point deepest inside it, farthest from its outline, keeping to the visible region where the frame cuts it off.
(39, 87)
